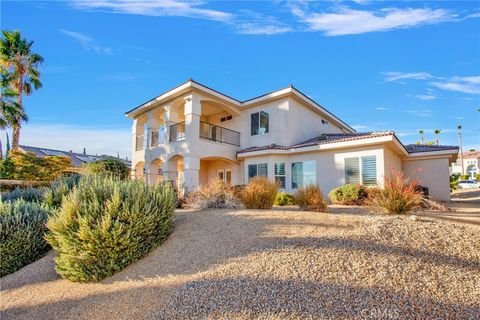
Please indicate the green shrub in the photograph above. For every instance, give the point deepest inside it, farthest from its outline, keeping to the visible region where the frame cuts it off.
(349, 194)
(105, 224)
(110, 167)
(216, 194)
(398, 196)
(22, 228)
(60, 188)
(310, 198)
(27, 194)
(477, 177)
(284, 199)
(465, 177)
(259, 193)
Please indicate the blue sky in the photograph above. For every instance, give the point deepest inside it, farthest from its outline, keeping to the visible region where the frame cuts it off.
(378, 65)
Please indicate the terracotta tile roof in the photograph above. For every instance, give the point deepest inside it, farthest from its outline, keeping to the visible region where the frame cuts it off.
(416, 148)
(322, 139)
(471, 154)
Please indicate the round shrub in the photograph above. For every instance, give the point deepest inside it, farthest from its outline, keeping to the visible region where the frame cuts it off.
(27, 194)
(310, 198)
(259, 193)
(284, 199)
(109, 167)
(349, 194)
(215, 195)
(105, 224)
(22, 228)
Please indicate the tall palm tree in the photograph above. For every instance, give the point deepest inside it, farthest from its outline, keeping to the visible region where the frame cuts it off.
(437, 132)
(421, 136)
(11, 113)
(20, 64)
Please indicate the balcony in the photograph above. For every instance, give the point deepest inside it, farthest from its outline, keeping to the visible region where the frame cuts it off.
(219, 134)
(177, 132)
(139, 143)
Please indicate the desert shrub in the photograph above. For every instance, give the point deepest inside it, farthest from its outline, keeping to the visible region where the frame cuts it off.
(216, 194)
(349, 194)
(104, 224)
(284, 199)
(465, 177)
(310, 198)
(22, 228)
(60, 188)
(477, 177)
(259, 193)
(110, 167)
(398, 196)
(28, 166)
(454, 178)
(27, 194)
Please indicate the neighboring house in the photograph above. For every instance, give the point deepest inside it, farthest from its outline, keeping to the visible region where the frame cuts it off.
(194, 134)
(78, 159)
(471, 164)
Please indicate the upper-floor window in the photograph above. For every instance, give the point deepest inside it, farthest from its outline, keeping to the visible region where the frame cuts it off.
(361, 170)
(259, 123)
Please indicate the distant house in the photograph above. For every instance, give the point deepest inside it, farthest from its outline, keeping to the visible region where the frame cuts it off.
(193, 134)
(78, 159)
(471, 164)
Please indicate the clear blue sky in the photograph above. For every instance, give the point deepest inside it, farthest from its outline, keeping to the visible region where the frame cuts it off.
(399, 66)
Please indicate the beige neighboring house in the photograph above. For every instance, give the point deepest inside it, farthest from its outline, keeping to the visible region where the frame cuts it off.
(194, 134)
(471, 164)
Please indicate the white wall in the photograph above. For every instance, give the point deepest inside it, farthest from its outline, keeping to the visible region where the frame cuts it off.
(431, 173)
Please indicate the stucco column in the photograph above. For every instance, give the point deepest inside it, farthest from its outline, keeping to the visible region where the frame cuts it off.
(191, 173)
(137, 129)
(193, 110)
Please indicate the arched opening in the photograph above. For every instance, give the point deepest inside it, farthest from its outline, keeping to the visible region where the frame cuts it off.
(138, 171)
(175, 171)
(156, 171)
(212, 168)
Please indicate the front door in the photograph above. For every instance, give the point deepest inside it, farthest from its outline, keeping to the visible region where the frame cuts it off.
(225, 175)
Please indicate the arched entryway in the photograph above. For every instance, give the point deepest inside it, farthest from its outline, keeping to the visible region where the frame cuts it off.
(175, 171)
(472, 171)
(138, 171)
(156, 171)
(212, 168)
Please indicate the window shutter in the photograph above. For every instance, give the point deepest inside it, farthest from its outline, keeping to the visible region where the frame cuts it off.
(369, 171)
(252, 170)
(280, 174)
(262, 170)
(254, 123)
(352, 171)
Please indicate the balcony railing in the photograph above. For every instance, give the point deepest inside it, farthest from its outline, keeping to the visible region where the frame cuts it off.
(219, 134)
(177, 131)
(139, 143)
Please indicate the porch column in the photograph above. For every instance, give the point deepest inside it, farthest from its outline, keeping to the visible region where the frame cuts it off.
(168, 121)
(137, 130)
(193, 110)
(191, 173)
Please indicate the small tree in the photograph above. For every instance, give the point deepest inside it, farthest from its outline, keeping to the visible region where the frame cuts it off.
(437, 132)
(421, 135)
(110, 167)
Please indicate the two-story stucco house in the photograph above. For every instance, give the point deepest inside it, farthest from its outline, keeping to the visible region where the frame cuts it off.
(194, 134)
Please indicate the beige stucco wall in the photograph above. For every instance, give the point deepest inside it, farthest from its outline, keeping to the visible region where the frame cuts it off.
(209, 170)
(330, 165)
(392, 161)
(432, 173)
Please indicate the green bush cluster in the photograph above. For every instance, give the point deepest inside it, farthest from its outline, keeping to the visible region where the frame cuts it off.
(348, 194)
(22, 227)
(105, 224)
(284, 199)
(110, 167)
(27, 194)
(59, 189)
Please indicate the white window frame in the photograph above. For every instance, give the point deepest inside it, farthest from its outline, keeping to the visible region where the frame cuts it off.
(360, 169)
(284, 176)
(256, 164)
(259, 133)
(224, 174)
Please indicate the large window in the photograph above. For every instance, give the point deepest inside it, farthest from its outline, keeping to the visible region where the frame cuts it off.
(303, 174)
(257, 170)
(280, 174)
(259, 123)
(361, 170)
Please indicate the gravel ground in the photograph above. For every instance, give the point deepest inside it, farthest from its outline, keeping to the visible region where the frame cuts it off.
(270, 265)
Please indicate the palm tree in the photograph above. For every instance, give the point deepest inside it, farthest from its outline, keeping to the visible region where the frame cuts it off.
(20, 65)
(10, 110)
(421, 136)
(437, 132)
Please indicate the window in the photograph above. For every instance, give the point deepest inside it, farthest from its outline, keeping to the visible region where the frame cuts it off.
(257, 170)
(259, 123)
(361, 170)
(225, 175)
(303, 174)
(223, 119)
(280, 174)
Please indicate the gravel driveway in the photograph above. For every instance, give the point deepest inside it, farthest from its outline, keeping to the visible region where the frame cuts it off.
(273, 264)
